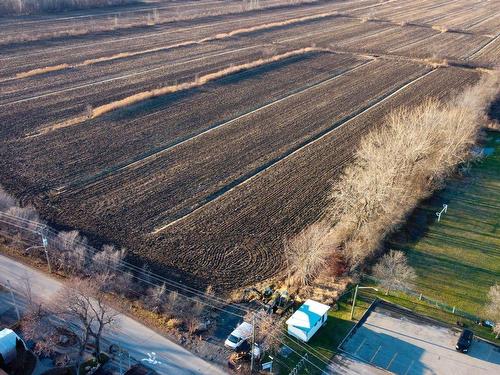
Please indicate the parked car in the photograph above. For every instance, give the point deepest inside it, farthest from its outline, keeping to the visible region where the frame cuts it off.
(239, 335)
(464, 341)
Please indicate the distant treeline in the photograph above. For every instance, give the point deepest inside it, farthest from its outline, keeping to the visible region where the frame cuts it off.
(12, 7)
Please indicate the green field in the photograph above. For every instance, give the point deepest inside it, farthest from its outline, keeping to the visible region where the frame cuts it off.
(458, 258)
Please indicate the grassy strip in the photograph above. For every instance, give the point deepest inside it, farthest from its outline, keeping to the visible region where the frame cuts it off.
(458, 259)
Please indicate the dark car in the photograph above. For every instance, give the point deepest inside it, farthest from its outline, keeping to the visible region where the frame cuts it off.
(464, 341)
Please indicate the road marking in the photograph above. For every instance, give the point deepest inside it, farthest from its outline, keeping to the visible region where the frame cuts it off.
(92, 181)
(339, 124)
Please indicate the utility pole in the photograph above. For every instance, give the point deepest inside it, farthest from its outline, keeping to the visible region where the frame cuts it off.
(253, 344)
(45, 243)
(354, 301)
(14, 300)
(356, 294)
(42, 232)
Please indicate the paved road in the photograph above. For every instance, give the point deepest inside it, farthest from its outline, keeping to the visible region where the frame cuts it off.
(134, 337)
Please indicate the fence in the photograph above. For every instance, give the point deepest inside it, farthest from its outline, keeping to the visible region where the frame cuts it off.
(438, 304)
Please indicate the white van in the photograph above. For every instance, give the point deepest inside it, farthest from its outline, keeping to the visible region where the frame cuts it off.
(239, 335)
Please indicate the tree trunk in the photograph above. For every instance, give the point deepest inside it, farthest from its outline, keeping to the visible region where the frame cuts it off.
(98, 341)
(82, 349)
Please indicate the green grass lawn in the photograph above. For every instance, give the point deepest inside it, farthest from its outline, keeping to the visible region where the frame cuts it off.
(324, 343)
(458, 259)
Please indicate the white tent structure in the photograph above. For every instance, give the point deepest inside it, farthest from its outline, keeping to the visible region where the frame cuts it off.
(306, 321)
(8, 345)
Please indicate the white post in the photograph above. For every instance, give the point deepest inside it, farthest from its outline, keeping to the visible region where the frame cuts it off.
(354, 301)
(44, 244)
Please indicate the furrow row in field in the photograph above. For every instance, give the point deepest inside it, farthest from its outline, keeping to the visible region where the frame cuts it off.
(97, 46)
(392, 37)
(125, 137)
(28, 115)
(237, 239)
(489, 53)
(136, 44)
(197, 172)
(124, 22)
(452, 46)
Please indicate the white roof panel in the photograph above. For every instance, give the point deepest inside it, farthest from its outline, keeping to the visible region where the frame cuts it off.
(8, 344)
(308, 314)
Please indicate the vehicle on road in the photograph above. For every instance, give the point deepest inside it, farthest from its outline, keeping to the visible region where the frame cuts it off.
(464, 341)
(239, 335)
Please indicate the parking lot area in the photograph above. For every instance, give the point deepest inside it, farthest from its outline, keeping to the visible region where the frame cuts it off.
(398, 341)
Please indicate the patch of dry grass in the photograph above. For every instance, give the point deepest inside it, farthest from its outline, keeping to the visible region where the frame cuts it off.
(441, 29)
(38, 71)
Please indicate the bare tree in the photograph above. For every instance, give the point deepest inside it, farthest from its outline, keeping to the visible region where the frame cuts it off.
(155, 298)
(306, 253)
(493, 308)
(394, 272)
(108, 260)
(82, 302)
(399, 164)
(73, 256)
(268, 330)
(194, 317)
(38, 324)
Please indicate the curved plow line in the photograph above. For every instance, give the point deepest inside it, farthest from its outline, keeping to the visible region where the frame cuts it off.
(274, 162)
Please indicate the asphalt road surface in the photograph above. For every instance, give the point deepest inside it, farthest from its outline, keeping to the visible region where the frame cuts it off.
(131, 335)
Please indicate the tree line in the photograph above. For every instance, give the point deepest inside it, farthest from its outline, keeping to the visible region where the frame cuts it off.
(35, 6)
(396, 166)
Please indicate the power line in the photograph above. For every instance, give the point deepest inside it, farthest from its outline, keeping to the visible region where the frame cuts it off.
(132, 267)
(304, 346)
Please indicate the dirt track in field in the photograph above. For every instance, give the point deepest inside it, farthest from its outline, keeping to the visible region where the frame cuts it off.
(207, 181)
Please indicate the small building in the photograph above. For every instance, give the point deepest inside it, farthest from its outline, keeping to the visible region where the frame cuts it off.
(8, 340)
(306, 321)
